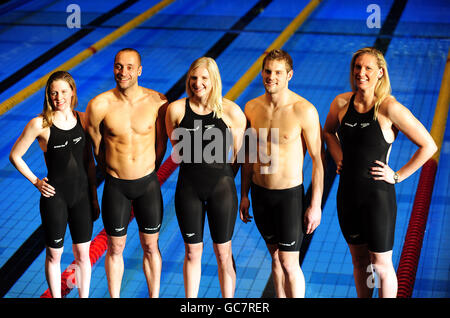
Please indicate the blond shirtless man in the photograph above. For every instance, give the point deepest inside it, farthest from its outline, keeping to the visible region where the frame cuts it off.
(126, 125)
(286, 125)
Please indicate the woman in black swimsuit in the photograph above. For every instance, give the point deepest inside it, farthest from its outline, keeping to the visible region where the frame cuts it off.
(69, 192)
(205, 127)
(359, 131)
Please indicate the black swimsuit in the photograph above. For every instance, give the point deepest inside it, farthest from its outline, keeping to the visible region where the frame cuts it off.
(205, 183)
(67, 173)
(143, 194)
(367, 208)
(279, 215)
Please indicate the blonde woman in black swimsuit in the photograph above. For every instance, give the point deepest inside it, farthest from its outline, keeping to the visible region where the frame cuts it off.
(359, 131)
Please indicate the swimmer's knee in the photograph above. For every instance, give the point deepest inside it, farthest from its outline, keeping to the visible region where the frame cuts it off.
(360, 256)
(382, 262)
(150, 248)
(116, 245)
(289, 261)
(193, 252)
(223, 252)
(53, 255)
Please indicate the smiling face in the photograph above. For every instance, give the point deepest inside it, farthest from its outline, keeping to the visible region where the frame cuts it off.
(275, 76)
(61, 95)
(200, 83)
(366, 72)
(127, 69)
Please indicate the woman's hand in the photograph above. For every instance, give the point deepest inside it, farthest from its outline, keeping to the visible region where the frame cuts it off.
(382, 172)
(44, 188)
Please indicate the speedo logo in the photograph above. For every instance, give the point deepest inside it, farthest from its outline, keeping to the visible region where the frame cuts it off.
(287, 244)
(193, 129)
(76, 140)
(152, 228)
(61, 146)
(362, 125)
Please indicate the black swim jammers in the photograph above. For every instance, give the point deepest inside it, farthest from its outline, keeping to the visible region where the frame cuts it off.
(143, 194)
(279, 216)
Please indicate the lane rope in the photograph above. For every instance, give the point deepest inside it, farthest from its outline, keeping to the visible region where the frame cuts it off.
(410, 256)
(83, 55)
(100, 243)
(278, 43)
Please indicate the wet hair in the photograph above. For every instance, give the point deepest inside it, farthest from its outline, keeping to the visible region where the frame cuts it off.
(383, 87)
(48, 110)
(279, 55)
(215, 97)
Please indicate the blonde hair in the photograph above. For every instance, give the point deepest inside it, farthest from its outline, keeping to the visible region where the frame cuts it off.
(383, 87)
(215, 97)
(47, 112)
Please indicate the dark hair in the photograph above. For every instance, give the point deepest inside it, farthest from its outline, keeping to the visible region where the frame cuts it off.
(279, 55)
(129, 49)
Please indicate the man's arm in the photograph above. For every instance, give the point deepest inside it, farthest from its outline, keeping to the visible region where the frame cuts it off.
(95, 113)
(246, 175)
(238, 123)
(161, 134)
(90, 165)
(312, 134)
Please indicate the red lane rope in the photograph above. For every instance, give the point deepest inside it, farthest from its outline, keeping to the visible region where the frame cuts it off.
(100, 243)
(409, 259)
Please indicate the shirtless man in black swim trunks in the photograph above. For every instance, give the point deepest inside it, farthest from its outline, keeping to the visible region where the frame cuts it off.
(277, 187)
(127, 127)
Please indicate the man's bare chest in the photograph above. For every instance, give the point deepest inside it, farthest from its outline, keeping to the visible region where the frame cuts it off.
(130, 120)
(281, 127)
